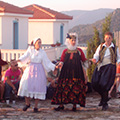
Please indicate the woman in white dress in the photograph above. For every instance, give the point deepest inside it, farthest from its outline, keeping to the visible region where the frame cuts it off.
(33, 81)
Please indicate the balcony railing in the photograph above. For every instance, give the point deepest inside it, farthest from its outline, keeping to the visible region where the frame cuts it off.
(53, 53)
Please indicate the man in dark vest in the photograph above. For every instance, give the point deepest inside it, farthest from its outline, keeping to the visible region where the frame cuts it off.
(106, 56)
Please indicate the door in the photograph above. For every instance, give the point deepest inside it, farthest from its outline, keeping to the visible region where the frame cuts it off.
(61, 34)
(15, 35)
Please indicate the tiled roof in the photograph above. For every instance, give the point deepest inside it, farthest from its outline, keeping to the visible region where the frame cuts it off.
(46, 13)
(9, 8)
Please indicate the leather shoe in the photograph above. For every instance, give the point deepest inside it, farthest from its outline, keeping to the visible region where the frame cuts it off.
(74, 109)
(26, 107)
(35, 109)
(59, 108)
(105, 107)
(101, 103)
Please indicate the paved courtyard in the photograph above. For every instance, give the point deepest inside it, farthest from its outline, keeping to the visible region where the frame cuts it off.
(46, 112)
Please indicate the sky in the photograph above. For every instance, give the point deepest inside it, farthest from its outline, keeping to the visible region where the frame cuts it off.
(67, 5)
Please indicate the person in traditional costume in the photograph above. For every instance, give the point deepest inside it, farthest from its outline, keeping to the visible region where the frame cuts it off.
(106, 56)
(71, 86)
(33, 81)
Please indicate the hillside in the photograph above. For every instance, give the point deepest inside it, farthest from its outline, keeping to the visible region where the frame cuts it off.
(85, 32)
(86, 17)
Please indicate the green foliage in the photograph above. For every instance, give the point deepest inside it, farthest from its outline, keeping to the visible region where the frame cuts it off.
(106, 26)
(114, 41)
(92, 46)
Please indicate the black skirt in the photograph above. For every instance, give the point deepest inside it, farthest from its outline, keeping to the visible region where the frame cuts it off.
(71, 82)
(103, 79)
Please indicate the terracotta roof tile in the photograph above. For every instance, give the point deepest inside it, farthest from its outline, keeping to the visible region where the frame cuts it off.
(46, 13)
(9, 8)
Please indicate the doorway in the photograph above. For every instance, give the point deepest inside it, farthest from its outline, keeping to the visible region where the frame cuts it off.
(15, 35)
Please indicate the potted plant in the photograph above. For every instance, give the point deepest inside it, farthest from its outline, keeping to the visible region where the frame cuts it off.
(53, 45)
(58, 43)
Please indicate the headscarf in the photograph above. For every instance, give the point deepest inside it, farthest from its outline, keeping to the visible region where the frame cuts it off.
(35, 39)
(67, 42)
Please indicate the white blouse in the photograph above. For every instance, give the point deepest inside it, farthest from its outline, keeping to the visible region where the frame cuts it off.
(107, 53)
(37, 56)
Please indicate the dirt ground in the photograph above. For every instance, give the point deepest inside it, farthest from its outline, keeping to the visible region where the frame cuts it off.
(46, 110)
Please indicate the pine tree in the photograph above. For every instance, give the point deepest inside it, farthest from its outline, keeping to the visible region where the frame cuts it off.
(94, 42)
(92, 46)
(106, 26)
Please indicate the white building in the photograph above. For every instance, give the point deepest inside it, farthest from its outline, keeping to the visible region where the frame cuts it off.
(51, 26)
(19, 26)
(13, 26)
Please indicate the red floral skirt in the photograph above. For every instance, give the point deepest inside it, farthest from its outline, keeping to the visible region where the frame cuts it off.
(70, 91)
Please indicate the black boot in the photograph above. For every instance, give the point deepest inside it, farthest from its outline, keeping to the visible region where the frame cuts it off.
(105, 107)
(35, 109)
(74, 108)
(105, 100)
(101, 103)
(26, 107)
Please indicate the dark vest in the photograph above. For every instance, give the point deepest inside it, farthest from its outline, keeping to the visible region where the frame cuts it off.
(113, 53)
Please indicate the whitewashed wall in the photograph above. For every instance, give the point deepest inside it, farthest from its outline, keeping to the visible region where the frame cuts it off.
(48, 31)
(42, 29)
(23, 33)
(6, 35)
(57, 25)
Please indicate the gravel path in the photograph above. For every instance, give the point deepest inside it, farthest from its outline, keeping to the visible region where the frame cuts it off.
(46, 112)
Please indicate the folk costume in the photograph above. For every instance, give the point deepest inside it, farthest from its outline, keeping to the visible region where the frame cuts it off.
(33, 81)
(104, 74)
(71, 82)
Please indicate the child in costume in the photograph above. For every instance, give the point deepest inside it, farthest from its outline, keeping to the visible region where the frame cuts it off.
(106, 56)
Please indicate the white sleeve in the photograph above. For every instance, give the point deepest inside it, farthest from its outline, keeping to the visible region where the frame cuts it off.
(96, 55)
(48, 65)
(26, 56)
(118, 56)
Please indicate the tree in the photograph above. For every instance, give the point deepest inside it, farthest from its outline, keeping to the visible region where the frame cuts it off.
(92, 46)
(94, 42)
(106, 26)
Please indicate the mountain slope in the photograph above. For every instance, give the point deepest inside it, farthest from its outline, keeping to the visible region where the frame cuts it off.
(86, 17)
(85, 32)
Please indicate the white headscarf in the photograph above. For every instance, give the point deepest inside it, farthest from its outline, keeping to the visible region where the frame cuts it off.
(35, 39)
(67, 42)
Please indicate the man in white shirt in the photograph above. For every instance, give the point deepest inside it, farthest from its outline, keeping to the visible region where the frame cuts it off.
(106, 56)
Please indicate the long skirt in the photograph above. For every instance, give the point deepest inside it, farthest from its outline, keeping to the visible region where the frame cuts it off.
(70, 89)
(33, 82)
(103, 79)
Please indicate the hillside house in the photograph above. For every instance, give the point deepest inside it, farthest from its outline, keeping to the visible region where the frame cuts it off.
(22, 25)
(13, 26)
(51, 26)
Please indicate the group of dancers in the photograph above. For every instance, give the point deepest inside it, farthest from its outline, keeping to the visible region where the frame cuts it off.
(71, 83)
